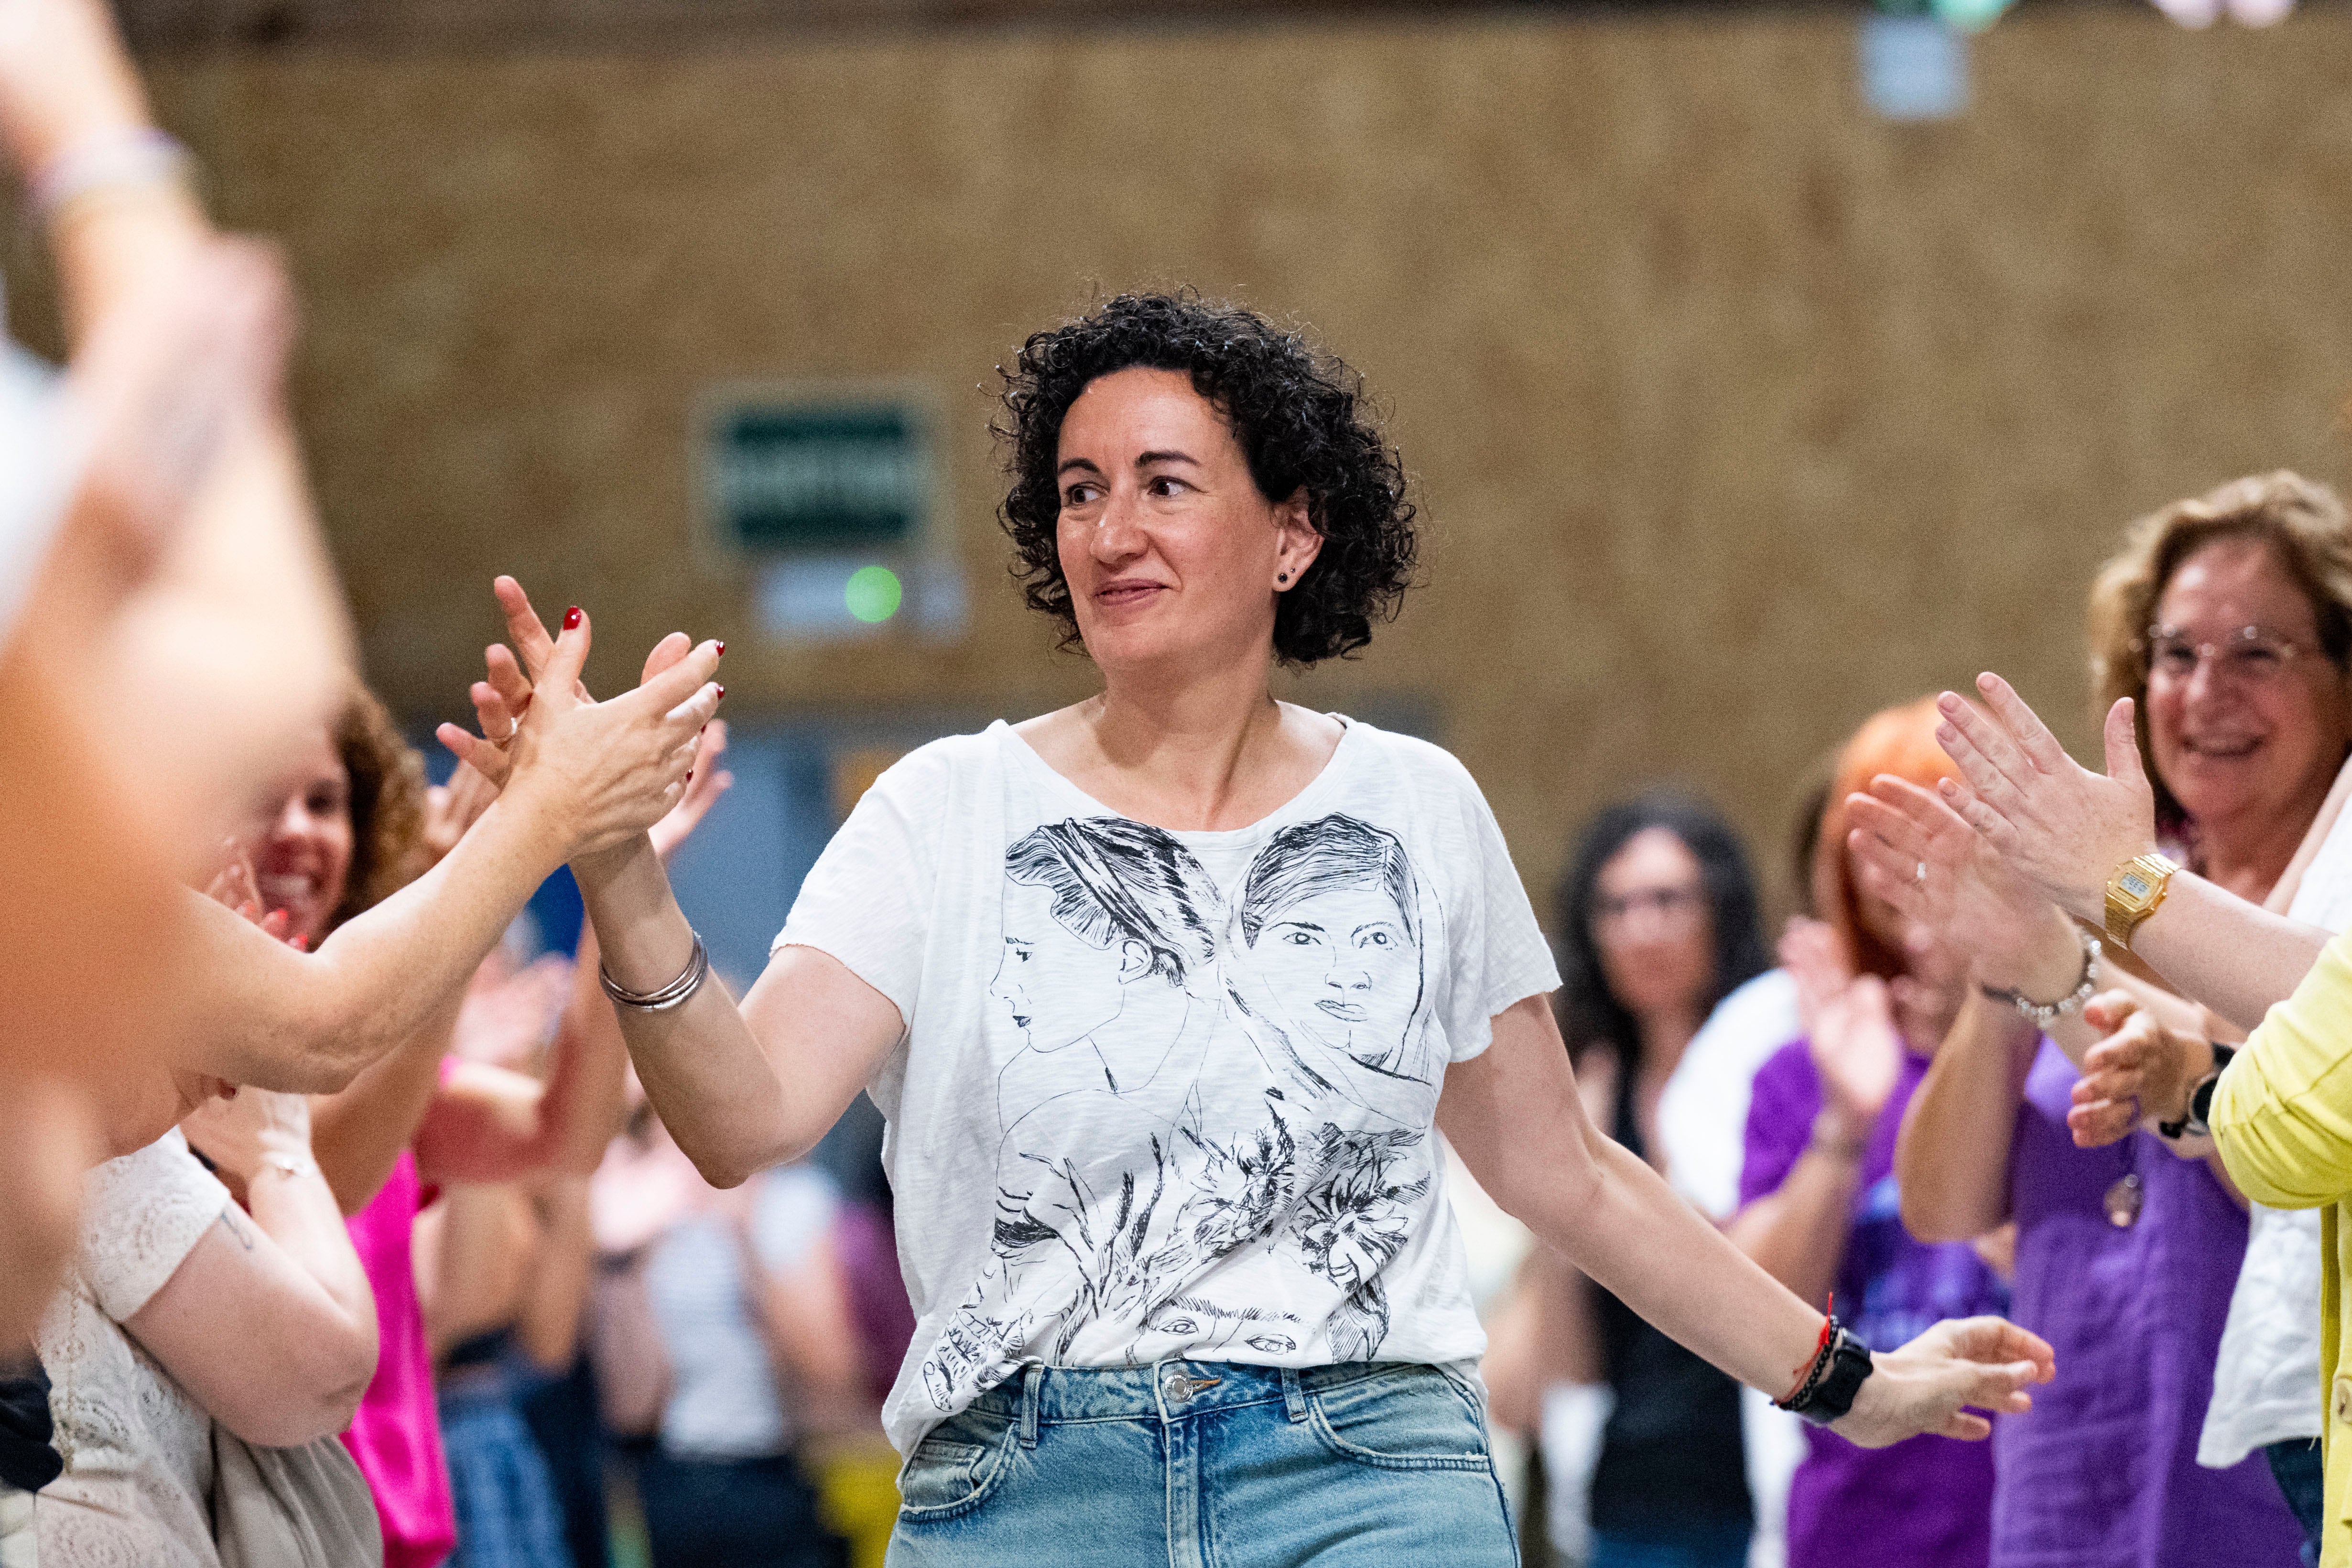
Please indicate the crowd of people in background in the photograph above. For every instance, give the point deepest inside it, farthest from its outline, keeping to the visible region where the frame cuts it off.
(1975, 1104)
(347, 1225)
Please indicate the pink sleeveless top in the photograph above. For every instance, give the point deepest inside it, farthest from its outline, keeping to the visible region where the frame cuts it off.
(396, 1436)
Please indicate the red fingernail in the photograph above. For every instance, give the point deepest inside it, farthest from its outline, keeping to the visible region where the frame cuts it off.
(722, 647)
(689, 775)
(571, 618)
(722, 694)
(302, 942)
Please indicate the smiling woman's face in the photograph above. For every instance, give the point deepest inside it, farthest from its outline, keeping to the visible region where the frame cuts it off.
(1169, 550)
(302, 842)
(2256, 744)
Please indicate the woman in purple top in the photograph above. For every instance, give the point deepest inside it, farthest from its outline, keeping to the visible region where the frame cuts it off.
(1820, 1207)
(2225, 623)
(2107, 1462)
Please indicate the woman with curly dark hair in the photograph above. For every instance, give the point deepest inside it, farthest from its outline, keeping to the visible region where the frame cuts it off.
(1226, 1316)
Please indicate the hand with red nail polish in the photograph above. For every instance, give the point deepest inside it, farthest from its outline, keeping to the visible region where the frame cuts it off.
(593, 773)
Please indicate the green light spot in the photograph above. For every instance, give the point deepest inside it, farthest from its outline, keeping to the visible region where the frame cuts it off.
(873, 594)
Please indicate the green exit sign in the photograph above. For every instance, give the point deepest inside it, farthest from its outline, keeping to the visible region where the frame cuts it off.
(786, 474)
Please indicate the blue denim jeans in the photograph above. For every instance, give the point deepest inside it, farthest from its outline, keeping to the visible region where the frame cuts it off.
(1205, 1465)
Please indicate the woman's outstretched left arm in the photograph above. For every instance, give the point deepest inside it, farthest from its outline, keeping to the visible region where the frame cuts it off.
(1514, 1113)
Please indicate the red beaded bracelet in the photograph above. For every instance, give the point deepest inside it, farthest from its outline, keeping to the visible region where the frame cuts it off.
(1806, 1368)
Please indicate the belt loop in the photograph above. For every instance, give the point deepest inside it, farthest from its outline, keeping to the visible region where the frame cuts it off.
(1294, 1400)
(1030, 1376)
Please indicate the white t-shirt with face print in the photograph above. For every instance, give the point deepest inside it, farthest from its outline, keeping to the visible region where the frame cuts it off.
(1171, 1093)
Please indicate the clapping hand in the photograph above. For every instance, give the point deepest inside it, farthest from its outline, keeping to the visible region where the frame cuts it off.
(2061, 826)
(235, 889)
(2142, 1069)
(450, 808)
(1850, 1023)
(601, 771)
(1915, 851)
(507, 1015)
(235, 1127)
(239, 1132)
(703, 787)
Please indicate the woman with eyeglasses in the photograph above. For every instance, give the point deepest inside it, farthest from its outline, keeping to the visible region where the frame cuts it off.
(2227, 622)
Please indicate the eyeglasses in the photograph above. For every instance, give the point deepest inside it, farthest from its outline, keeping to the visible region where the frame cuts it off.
(2248, 656)
(1667, 904)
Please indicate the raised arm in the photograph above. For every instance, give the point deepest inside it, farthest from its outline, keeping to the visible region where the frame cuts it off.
(1514, 1113)
(233, 640)
(581, 776)
(487, 1124)
(1951, 1158)
(2066, 830)
(1797, 1229)
(739, 1087)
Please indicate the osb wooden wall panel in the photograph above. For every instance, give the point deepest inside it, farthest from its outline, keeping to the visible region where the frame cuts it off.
(1737, 414)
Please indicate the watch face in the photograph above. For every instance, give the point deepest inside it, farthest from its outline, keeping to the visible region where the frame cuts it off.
(2135, 885)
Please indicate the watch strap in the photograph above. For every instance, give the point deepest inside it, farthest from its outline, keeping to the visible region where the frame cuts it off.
(1829, 1393)
(2133, 892)
(2195, 1123)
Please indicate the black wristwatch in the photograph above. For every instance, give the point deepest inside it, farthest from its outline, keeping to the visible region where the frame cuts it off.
(1837, 1377)
(2200, 1100)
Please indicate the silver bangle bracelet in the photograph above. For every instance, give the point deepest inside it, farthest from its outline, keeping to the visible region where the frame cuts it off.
(2045, 1014)
(675, 994)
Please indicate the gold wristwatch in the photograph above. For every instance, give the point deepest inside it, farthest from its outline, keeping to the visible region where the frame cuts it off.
(2134, 891)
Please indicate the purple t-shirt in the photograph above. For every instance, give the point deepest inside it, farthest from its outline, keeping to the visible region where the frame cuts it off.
(1927, 1500)
(2103, 1472)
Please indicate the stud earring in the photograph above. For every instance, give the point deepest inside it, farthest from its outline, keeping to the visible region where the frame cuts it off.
(1282, 577)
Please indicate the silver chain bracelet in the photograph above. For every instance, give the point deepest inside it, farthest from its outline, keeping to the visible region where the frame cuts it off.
(675, 994)
(2045, 1014)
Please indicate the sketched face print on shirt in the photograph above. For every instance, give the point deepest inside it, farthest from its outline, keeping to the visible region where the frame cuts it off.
(1106, 923)
(1334, 947)
(1088, 979)
(1109, 974)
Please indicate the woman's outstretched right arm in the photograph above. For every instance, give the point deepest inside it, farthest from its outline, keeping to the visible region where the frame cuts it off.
(740, 1086)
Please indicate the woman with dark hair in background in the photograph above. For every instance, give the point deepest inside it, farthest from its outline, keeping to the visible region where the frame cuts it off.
(1657, 924)
(1197, 495)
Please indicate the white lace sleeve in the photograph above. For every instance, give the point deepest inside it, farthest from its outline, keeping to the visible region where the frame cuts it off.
(142, 1216)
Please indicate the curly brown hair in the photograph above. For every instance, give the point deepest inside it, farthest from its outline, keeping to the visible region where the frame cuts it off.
(387, 804)
(1300, 417)
(2306, 527)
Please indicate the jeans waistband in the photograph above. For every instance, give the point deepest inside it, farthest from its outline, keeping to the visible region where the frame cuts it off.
(1166, 1391)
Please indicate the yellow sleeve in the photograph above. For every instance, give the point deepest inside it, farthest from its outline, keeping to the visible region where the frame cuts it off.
(2282, 1115)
